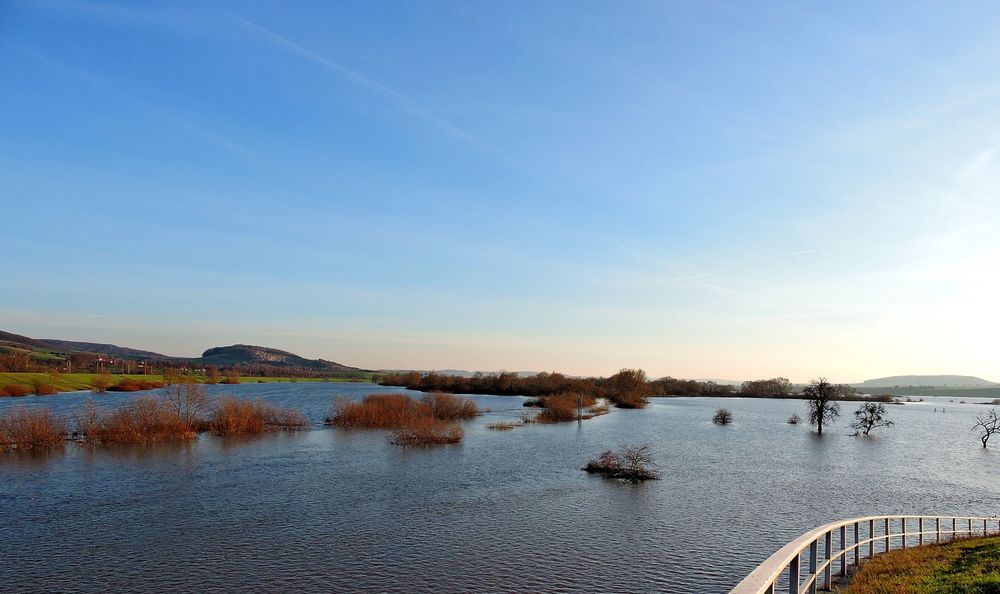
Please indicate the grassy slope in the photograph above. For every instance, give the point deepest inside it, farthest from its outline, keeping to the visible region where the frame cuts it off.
(967, 566)
(67, 382)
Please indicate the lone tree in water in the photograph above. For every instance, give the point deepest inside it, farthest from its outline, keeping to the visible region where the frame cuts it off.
(820, 396)
(987, 423)
(723, 416)
(870, 416)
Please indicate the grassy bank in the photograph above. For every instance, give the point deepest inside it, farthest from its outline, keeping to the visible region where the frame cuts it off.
(68, 382)
(964, 566)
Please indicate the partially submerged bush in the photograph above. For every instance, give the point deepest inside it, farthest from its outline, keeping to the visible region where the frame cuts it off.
(427, 431)
(392, 411)
(25, 429)
(416, 422)
(243, 417)
(449, 407)
(44, 388)
(794, 420)
(15, 390)
(101, 383)
(723, 416)
(143, 420)
(377, 411)
(628, 463)
(559, 408)
(131, 385)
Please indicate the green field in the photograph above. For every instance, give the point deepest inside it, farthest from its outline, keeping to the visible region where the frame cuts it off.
(69, 382)
(965, 566)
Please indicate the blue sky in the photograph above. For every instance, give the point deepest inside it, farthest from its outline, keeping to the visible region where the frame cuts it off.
(701, 189)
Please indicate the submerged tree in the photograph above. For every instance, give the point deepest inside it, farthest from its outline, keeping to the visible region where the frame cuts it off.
(794, 419)
(870, 415)
(987, 424)
(821, 395)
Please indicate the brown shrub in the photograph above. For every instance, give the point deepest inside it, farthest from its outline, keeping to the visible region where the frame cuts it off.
(31, 429)
(629, 463)
(427, 431)
(126, 385)
(378, 411)
(243, 417)
(448, 407)
(16, 390)
(101, 383)
(43, 388)
(562, 407)
(133, 385)
(142, 420)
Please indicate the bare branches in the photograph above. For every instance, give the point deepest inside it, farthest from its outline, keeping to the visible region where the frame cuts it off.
(987, 424)
(870, 416)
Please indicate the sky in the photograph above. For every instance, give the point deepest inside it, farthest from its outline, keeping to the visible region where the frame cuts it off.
(728, 190)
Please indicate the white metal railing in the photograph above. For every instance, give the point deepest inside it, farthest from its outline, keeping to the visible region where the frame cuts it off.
(812, 556)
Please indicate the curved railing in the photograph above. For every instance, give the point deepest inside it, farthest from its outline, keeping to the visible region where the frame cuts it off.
(799, 565)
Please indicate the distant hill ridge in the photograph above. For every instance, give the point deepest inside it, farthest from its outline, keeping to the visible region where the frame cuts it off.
(926, 381)
(237, 354)
(247, 354)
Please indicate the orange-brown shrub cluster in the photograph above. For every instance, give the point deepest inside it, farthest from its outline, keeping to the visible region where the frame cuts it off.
(143, 420)
(448, 407)
(427, 431)
(131, 385)
(416, 422)
(377, 411)
(242, 417)
(15, 390)
(43, 388)
(26, 429)
(559, 408)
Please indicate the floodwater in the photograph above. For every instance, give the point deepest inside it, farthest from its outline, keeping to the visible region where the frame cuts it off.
(335, 510)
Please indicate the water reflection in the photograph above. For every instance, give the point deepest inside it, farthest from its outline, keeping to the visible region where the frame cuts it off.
(504, 511)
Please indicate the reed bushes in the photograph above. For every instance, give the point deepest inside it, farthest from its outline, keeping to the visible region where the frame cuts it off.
(427, 421)
(31, 429)
(15, 390)
(427, 431)
(143, 420)
(245, 417)
(131, 385)
(43, 388)
(448, 407)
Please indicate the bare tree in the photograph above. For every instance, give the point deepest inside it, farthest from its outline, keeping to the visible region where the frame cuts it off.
(870, 415)
(987, 424)
(794, 420)
(723, 416)
(821, 395)
(188, 399)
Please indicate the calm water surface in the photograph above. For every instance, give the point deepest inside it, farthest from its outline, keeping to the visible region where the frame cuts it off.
(332, 510)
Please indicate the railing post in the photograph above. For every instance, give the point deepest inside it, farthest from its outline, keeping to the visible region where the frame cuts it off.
(970, 526)
(812, 566)
(984, 527)
(871, 536)
(793, 575)
(888, 543)
(843, 551)
(903, 524)
(954, 528)
(857, 544)
(827, 572)
(920, 528)
(938, 528)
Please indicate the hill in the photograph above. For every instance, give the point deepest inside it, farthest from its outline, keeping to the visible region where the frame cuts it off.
(926, 381)
(246, 354)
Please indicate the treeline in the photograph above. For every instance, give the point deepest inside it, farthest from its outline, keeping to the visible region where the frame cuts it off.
(625, 387)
